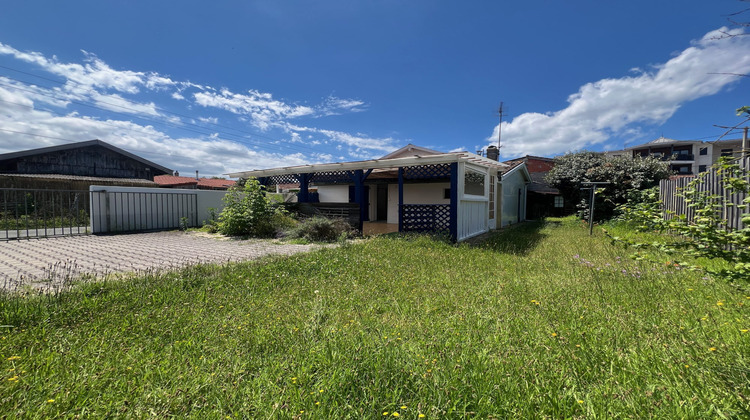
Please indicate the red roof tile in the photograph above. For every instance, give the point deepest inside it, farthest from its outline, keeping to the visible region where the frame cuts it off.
(211, 183)
(169, 180)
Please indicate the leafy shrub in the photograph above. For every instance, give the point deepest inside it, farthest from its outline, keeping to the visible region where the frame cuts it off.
(623, 174)
(707, 234)
(321, 229)
(248, 212)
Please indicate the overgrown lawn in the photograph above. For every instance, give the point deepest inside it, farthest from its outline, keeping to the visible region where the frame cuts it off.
(539, 321)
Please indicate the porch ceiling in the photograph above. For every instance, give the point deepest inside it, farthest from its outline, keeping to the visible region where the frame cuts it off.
(374, 164)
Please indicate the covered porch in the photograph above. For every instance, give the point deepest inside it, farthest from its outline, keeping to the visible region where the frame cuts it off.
(451, 193)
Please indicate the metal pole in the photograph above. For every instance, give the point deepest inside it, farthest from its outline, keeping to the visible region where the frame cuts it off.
(591, 212)
(745, 152)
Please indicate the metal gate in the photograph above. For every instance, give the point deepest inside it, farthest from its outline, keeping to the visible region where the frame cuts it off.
(39, 213)
(125, 210)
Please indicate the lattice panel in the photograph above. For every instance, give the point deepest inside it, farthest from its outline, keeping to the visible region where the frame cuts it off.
(281, 179)
(332, 177)
(426, 217)
(442, 170)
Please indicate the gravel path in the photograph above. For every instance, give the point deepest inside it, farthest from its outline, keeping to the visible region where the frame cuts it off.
(44, 262)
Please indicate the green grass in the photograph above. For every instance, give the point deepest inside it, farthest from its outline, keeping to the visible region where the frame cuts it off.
(540, 321)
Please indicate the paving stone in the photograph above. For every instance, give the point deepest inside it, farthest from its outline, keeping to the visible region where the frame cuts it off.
(45, 262)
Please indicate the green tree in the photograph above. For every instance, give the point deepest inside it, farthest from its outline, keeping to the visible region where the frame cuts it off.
(622, 173)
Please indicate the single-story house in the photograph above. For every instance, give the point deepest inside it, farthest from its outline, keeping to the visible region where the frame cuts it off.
(415, 189)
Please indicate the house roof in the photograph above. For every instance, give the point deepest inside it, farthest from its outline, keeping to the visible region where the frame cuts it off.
(411, 150)
(81, 178)
(383, 163)
(215, 183)
(518, 167)
(170, 180)
(539, 185)
(176, 181)
(81, 144)
(546, 159)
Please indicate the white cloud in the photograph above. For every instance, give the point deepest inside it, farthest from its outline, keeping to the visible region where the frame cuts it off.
(360, 145)
(336, 106)
(80, 107)
(614, 106)
(263, 110)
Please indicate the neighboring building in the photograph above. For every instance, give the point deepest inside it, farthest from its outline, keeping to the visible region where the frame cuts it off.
(542, 200)
(415, 189)
(686, 157)
(75, 166)
(186, 182)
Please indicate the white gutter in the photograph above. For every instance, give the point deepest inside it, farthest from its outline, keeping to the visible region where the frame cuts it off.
(371, 164)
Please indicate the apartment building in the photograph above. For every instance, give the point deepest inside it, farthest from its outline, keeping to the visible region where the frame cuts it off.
(686, 157)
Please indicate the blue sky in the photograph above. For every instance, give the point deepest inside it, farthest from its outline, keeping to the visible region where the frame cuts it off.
(239, 85)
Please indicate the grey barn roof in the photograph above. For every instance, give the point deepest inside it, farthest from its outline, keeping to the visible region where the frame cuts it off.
(77, 145)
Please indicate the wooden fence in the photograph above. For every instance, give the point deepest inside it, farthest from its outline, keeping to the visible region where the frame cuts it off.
(674, 204)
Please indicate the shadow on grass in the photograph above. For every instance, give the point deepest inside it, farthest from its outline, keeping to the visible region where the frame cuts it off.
(517, 239)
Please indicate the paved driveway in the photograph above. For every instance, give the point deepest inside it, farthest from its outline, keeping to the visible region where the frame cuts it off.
(45, 262)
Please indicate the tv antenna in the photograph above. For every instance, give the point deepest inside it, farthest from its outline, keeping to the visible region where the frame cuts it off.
(499, 126)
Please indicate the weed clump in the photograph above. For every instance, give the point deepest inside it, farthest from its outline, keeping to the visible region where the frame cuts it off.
(321, 229)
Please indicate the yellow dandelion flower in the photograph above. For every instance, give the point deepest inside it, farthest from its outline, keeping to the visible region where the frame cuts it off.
(395, 414)
(14, 378)
(403, 407)
(421, 416)
(317, 402)
(385, 413)
(712, 349)
(11, 358)
(719, 303)
(51, 400)
(554, 334)
(744, 331)
(580, 401)
(687, 366)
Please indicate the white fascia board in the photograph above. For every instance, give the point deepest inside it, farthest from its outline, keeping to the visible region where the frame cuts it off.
(364, 165)
(524, 170)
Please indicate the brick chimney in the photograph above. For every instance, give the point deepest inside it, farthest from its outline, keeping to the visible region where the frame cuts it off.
(493, 153)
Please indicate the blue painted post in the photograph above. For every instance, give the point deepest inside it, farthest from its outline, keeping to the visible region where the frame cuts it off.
(359, 195)
(304, 193)
(400, 199)
(454, 202)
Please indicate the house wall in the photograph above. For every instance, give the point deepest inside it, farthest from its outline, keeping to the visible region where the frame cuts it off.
(511, 184)
(539, 165)
(431, 193)
(93, 160)
(340, 194)
(473, 210)
(333, 193)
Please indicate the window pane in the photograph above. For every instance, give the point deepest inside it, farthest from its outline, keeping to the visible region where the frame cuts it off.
(473, 182)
